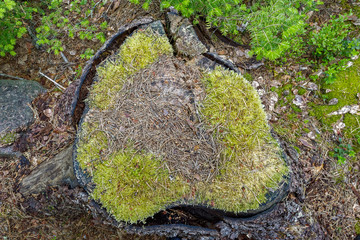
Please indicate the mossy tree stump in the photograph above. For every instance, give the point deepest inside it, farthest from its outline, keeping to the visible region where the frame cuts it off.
(159, 132)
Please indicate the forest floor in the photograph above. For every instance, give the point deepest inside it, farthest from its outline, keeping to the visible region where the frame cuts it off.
(332, 191)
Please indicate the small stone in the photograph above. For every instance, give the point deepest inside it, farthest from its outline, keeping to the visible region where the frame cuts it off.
(302, 68)
(255, 84)
(275, 83)
(22, 60)
(239, 53)
(247, 53)
(52, 70)
(72, 52)
(318, 73)
(312, 86)
(310, 13)
(328, 90)
(338, 127)
(349, 64)
(261, 92)
(173, 10)
(311, 135)
(357, 22)
(274, 97)
(261, 80)
(286, 92)
(333, 101)
(354, 57)
(48, 112)
(298, 100)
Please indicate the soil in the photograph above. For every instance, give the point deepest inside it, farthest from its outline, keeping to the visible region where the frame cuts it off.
(326, 197)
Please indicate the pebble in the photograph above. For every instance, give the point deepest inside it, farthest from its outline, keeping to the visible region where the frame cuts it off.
(298, 100)
(333, 101)
(312, 86)
(247, 53)
(286, 92)
(255, 84)
(355, 57)
(239, 53)
(311, 135)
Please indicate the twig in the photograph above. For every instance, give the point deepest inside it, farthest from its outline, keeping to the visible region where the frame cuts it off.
(63, 56)
(56, 84)
(66, 60)
(17, 78)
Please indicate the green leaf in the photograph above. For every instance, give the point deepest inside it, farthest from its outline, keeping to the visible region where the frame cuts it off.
(145, 6)
(165, 4)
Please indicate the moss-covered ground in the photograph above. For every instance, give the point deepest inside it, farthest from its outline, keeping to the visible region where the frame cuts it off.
(345, 89)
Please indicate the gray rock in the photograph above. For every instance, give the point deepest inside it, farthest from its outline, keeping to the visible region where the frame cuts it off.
(333, 101)
(56, 171)
(186, 41)
(14, 109)
(155, 26)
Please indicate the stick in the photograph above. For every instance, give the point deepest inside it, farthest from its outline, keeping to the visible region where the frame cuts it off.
(63, 56)
(17, 78)
(65, 60)
(58, 85)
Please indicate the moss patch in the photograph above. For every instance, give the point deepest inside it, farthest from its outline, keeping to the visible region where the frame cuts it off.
(345, 89)
(251, 157)
(140, 50)
(7, 138)
(134, 186)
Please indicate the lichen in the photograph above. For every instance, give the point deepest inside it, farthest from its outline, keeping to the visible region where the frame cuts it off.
(141, 49)
(7, 138)
(252, 160)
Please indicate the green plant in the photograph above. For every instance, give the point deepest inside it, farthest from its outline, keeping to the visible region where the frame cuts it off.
(87, 54)
(59, 22)
(12, 24)
(274, 26)
(329, 41)
(343, 151)
(56, 21)
(333, 70)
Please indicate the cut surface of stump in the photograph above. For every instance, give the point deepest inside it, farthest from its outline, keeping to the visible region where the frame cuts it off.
(159, 133)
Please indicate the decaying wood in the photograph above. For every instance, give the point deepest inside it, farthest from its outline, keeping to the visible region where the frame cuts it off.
(56, 171)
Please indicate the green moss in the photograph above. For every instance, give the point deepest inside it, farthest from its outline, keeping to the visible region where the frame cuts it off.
(141, 49)
(134, 186)
(301, 91)
(345, 88)
(357, 227)
(252, 157)
(7, 138)
(93, 142)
